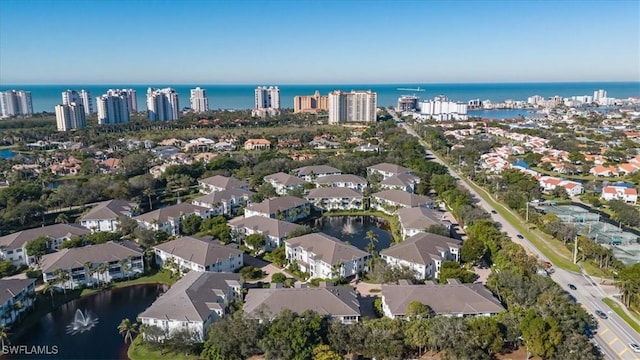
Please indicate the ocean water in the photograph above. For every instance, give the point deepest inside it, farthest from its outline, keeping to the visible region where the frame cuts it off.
(45, 97)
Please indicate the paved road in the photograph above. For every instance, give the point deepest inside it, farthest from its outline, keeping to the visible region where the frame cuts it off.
(614, 334)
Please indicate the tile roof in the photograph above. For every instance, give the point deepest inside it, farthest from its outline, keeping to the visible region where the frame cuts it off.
(77, 257)
(199, 251)
(421, 248)
(327, 248)
(57, 231)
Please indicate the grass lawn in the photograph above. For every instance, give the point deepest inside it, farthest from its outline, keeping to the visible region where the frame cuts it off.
(140, 351)
(157, 277)
(618, 309)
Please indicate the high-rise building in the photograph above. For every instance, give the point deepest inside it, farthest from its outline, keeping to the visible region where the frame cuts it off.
(16, 103)
(599, 94)
(354, 106)
(199, 101)
(407, 103)
(310, 104)
(113, 108)
(442, 109)
(79, 97)
(267, 101)
(162, 104)
(130, 94)
(71, 116)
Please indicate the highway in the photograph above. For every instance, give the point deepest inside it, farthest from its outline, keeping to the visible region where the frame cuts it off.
(613, 334)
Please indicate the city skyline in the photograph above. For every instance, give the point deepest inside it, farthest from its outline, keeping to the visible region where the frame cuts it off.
(366, 42)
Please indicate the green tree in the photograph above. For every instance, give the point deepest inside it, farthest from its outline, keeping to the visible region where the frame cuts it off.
(628, 282)
(373, 240)
(292, 336)
(255, 241)
(38, 247)
(62, 219)
(324, 352)
(418, 310)
(127, 329)
(233, 338)
(438, 230)
(473, 250)
(416, 334)
(48, 288)
(190, 224)
(7, 268)
(486, 335)
(541, 336)
(452, 270)
(278, 278)
(4, 335)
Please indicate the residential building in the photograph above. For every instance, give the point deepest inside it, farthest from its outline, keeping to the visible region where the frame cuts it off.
(442, 109)
(131, 96)
(549, 183)
(310, 173)
(194, 302)
(339, 303)
(368, 148)
(335, 198)
(199, 100)
(106, 215)
(626, 194)
(257, 144)
(405, 182)
(190, 253)
(310, 104)
(355, 106)
(284, 183)
(79, 97)
(225, 202)
(168, 219)
(92, 264)
(13, 246)
(407, 103)
(220, 183)
(267, 101)
(454, 299)
(606, 171)
(70, 117)
(323, 256)
(12, 292)
(388, 170)
(416, 220)
(389, 201)
(320, 143)
(424, 253)
(113, 108)
(287, 208)
(16, 103)
(162, 104)
(350, 181)
(274, 231)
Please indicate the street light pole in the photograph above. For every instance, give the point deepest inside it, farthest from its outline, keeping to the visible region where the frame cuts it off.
(575, 250)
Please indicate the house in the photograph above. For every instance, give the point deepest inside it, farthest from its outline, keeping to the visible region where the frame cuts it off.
(287, 208)
(368, 148)
(607, 171)
(405, 182)
(424, 253)
(319, 143)
(573, 188)
(92, 264)
(106, 215)
(284, 183)
(224, 146)
(219, 183)
(335, 198)
(14, 246)
(12, 292)
(323, 256)
(168, 219)
(628, 168)
(69, 166)
(343, 181)
(388, 170)
(274, 231)
(257, 144)
(110, 165)
(194, 302)
(334, 302)
(225, 202)
(310, 173)
(164, 152)
(416, 220)
(191, 253)
(389, 201)
(452, 299)
(628, 195)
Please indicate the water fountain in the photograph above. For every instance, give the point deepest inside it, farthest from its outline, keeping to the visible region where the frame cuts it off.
(81, 322)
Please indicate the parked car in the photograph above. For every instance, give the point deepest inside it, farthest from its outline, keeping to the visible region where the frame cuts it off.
(494, 212)
(519, 236)
(635, 347)
(572, 287)
(601, 314)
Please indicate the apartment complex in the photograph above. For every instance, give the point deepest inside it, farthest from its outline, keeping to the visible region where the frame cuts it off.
(310, 104)
(70, 117)
(113, 107)
(267, 101)
(199, 101)
(354, 106)
(16, 103)
(162, 104)
(79, 97)
(443, 109)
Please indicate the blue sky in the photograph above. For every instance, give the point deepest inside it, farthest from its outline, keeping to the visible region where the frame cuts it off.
(288, 42)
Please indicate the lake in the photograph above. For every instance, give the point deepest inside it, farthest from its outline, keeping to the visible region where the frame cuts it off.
(7, 153)
(102, 341)
(353, 229)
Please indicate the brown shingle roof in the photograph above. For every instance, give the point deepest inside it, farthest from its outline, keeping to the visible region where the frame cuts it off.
(174, 211)
(390, 168)
(333, 192)
(201, 252)
(327, 248)
(276, 228)
(111, 209)
(403, 197)
(421, 248)
(12, 287)
(284, 179)
(77, 257)
(273, 205)
(224, 182)
(57, 231)
(418, 218)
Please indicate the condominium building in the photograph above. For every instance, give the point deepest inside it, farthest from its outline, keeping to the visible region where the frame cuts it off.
(79, 97)
(267, 101)
(16, 103)
(162, 104)
(310, 104)
(407, 103)
(199, 101)
(354, 106)
(442, 109)
(70, 116)
(113, 108)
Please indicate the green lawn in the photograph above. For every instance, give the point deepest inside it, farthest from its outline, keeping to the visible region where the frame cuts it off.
(623, 314)
(140, 351)
(157, 277)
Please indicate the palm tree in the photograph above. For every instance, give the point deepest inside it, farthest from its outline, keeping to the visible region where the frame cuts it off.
(127, 329)
(148, 192)
(48, 288)
(4, 335)
(62, 219)
(101, 270)
(373, 240)
(89, 271)
(62, 277)
(17, 308)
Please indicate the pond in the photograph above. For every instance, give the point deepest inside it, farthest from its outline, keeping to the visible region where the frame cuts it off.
(353, 229)
(7, 154)
(102, 341)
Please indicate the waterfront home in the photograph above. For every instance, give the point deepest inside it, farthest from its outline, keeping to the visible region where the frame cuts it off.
(106, 215)
(343, 181)
(338, 303)
(257, 144)
(194, 302)
(335, 198)
(168, 219)
(286, 208)
(605, 171)
(16, 297)
(219, 183)
(92, 264)
(388, 170)
(549, 183)
(14, 246)
(416, 220)
(424, 253)
(190, 253)
(405, 182)
(284, 183)
(453, 299)
(323, 256)
(225, 202)
(389, 201)
(626, 194)
(274, 231)
(310, 173)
